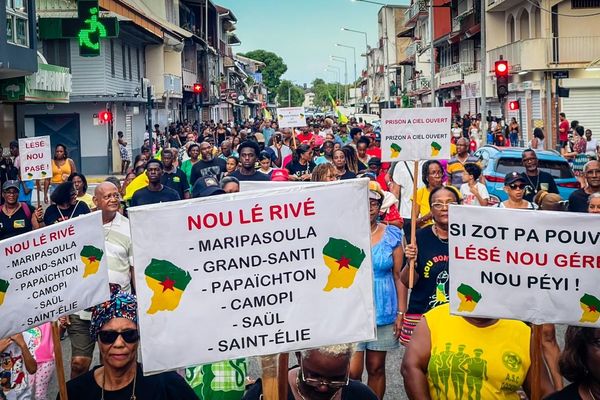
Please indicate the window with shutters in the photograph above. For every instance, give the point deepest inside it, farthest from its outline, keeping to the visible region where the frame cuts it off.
(112, 58)
(57, 52)
(585, 4)
(124, 61)
(129, 60)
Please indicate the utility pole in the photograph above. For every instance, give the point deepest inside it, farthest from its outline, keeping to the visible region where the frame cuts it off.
(483, 66)
(432, 55)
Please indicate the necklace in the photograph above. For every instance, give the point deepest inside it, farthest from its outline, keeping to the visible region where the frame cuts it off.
(376, 229)
(591, 394)
(9, 215)
(435, 232)
(537, 181)
(72, 212)
(133, 397)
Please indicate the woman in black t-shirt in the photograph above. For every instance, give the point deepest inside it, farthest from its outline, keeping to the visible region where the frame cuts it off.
(430, 287)
(16, 218)
(66, 205)
(301, 167)
(341, 166)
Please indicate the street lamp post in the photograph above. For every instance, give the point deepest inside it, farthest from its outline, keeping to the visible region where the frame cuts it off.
(345, 61)
(355, 77)
(386, 49)
(367, 58)
(336, 70)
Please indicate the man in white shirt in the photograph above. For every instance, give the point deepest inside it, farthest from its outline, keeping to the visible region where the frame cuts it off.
(403, 178)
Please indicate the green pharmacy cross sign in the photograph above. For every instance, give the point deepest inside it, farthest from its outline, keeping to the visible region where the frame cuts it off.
(88, 28)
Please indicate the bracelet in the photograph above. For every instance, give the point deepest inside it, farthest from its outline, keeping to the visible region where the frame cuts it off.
(400, 313)
(40, 220)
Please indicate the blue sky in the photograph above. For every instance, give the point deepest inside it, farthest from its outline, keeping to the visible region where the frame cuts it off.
(304, 32)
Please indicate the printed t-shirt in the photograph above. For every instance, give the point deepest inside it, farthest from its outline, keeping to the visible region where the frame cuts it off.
(469, 198)
(477, 363)
(431, 289)
(15, 381)
(16, 224)
(176, 180)
(215, 167)
(41, 342)
(544, 181)
(54, 215)
(297, 169)
(455, 170)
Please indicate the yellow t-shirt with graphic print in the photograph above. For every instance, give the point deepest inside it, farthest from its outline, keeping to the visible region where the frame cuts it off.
(468, 362)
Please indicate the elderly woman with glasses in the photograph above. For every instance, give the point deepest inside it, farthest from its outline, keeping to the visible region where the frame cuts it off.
(430, 254)
(114, 325)
(321, 374)
(432, 174)
(514, 186)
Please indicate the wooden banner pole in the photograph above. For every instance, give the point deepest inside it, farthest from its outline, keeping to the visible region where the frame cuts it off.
(58, 360)
(37, 191)
(294, 138)
(270, 377)
(413, 224)
(536, 362)
(282, 379)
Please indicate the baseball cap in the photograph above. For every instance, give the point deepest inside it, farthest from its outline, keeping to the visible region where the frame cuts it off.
(375, 191)
(374, 161)
(513, 177)
(10, 184)
(280, 175)
(206, 186)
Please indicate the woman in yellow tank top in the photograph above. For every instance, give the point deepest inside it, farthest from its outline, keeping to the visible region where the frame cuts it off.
(452, 358)
(62, 168)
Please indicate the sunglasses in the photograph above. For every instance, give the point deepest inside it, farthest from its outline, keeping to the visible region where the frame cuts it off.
(514, 186)
(109, 337)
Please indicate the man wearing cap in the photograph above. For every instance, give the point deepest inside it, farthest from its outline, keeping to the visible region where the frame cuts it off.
(535, 179)
(208, 165)
(206, 186)
(155, 192)
(248, 155)
(17, 218)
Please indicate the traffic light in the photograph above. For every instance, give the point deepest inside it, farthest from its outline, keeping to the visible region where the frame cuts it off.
(105, 117)
(514, 105)
(198, 88)
(501, 70)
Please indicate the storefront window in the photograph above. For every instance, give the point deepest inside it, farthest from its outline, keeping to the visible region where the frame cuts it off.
(17, 24)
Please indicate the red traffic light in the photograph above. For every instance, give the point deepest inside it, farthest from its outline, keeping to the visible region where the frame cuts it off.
(501, 68)
(105, 116)
(514, 105)
(198, 88)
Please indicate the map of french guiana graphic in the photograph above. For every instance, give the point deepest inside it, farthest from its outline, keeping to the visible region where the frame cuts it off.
(590, 307)
(3, 288)
(395, 150)
(469, 298)
(435, 148)
(91, 257)
(168, 282)
(343, 260)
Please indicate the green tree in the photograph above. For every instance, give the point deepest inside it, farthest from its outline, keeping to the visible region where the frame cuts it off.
(273, 69)
(288, 88)
(322, 90)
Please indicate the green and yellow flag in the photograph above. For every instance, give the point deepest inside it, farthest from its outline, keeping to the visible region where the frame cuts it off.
(469, 298)
(590, 305)
(395, 149)
(267, 115)
(341, 117)
(435, 148)
(167, 282)
(343, 260)
(91, 257)
(3, 288)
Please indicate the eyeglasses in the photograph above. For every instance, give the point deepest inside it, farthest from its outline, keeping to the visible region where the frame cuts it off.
(334, 385)
(441, 206)
(436, 173)
(514, 186)
(109, 337)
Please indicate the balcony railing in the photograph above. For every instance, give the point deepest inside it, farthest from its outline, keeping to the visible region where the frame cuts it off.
(419, 84)
(573, 50)
(419, 6)
(455, 72)
(173, 84)
(189, 78)
(413, 49)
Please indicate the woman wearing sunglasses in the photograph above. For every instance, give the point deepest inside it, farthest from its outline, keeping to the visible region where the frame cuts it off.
(514, 186)
(114, 325)
(431, 261)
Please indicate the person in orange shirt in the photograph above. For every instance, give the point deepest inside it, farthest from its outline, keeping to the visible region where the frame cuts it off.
(62, 168)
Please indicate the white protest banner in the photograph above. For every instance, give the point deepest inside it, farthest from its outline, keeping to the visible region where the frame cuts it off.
(256, 273)
(409, 134)
(35, 157)
(536, 266)
(246, 186)
(50, 272)
(291, 117)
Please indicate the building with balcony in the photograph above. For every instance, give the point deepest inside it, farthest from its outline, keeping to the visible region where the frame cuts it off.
(536, 43)
(18, 58)
(139, 55)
